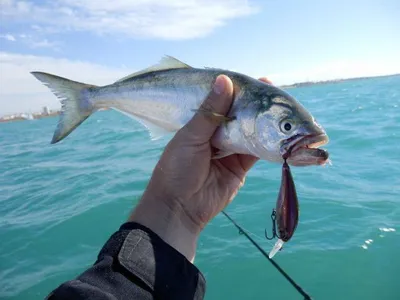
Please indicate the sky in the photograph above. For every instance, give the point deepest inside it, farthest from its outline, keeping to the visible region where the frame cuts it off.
(100, 41)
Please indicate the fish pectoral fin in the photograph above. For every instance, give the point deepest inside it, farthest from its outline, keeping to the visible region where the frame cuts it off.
(213, 115)
(221, 154)
(156, 132)
(166, 63)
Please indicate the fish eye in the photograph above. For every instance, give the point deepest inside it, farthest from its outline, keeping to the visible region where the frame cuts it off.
(287, 126)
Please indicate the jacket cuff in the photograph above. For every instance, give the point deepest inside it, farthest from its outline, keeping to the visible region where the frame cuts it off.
(161, 267)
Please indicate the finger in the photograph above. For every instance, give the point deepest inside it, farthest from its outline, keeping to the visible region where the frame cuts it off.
(238, 164)
(219, 100)
(247, 161)
(265, 79)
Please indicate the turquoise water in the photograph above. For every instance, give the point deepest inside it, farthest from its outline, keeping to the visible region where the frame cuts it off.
(60, 203)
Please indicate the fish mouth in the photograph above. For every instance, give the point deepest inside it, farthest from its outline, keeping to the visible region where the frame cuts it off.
(303, 150)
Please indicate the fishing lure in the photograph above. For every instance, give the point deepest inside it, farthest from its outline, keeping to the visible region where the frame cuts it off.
(286, 213)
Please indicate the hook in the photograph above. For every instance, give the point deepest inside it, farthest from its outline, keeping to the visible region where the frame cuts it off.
(274, 233)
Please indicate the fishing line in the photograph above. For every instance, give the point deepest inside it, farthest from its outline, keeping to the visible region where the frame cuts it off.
(293, 283)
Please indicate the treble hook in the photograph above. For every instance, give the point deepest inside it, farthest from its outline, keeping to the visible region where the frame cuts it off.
(274, 233)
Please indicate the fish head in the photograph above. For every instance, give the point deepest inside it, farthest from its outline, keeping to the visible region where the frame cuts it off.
(284, 129)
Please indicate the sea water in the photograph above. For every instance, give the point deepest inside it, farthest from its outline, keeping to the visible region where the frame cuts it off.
(60, 203)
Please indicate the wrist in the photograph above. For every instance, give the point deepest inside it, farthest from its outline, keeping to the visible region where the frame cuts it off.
(169, 222)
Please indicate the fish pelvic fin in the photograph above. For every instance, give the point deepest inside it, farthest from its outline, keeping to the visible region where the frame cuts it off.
(75, 105)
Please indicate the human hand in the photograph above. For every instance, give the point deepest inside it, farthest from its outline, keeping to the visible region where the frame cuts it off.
(188, 188)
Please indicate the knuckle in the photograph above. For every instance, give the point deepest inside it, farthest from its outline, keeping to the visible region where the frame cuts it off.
(208, 104)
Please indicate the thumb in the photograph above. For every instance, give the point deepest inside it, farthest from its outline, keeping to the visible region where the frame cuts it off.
(203, 125)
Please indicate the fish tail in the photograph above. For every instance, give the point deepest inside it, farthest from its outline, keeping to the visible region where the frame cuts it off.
(75, 104)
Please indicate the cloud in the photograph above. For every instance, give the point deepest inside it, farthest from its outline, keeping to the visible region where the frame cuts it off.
(21, 92)
(8, 37)
(44, 44)
(172, 19)
(31, 41)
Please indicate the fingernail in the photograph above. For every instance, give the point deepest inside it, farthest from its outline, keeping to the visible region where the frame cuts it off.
(219, 85)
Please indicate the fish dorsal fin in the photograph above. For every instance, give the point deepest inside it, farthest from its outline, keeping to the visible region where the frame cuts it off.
(166, 63)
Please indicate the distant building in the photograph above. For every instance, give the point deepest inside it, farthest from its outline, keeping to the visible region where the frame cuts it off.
(26, 116)
(46, 110)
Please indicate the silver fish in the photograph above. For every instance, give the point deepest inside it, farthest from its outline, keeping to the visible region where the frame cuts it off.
(265, 121)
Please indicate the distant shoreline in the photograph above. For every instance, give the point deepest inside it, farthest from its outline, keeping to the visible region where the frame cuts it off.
(36, 116)
(308, 83)
(33, 117)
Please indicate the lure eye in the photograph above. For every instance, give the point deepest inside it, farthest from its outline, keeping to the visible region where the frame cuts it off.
(287, 126)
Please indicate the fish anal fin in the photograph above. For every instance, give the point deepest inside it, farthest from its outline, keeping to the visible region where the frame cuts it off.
(156, 132)
(166, 63)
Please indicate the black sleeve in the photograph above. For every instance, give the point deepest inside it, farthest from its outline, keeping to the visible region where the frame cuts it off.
(135, 263)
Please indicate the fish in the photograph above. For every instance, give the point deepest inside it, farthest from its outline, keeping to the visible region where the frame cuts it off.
(264, 120)
(287, 210)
